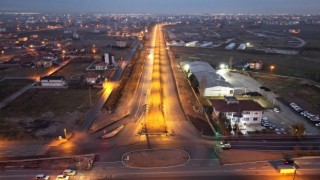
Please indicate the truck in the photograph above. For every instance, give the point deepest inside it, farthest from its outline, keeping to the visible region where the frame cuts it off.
(286, 169)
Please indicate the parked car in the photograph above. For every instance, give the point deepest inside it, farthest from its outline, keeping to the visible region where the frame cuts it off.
(277, 131)
(42, 177)
(271, 127)
(318, 124)
(69, 172)
(264, 118)
(276, 110)
(266, 124)
(62, 177)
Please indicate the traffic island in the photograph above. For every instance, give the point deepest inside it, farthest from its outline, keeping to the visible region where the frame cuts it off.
(155, 158)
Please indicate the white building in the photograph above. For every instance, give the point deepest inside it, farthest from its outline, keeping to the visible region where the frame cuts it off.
(53, 81)
(240, 112)
(191, 44)
(230, 46)
(121, 43)
(214, 84)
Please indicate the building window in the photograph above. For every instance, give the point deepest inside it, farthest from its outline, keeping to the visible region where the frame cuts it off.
(255, 119)
(246, 112)
(229, 114)
(256, 113)
(245, 119)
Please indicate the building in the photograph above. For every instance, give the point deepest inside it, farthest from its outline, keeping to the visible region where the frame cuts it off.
(121, 44)
(191, 44)
(91, 77)
(101, 66)
(204, 77)
(240, 112)
(230, 46)
(53, 81)
(256, 65)
(44, 63)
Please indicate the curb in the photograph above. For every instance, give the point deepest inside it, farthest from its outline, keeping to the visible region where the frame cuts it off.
(122, 158)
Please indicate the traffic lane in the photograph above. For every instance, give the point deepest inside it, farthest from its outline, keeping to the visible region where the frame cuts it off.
(229, 177)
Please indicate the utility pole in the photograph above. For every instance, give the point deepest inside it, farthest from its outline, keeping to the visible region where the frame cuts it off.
(90, 97)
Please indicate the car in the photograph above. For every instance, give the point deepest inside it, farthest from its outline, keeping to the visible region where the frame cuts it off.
(276, 110)
(42, 176)
(69, 172)
(293, 105)
(264, 118)
(271, 127)
(318, 124)
(277, 131)
(266, 124)
(62, 177)
(288, 161)
(225, 145)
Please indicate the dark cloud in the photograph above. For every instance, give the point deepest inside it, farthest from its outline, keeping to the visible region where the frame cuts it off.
(165, 6)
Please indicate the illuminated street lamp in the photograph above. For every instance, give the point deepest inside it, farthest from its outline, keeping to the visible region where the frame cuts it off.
(222, 66)
(272, 67)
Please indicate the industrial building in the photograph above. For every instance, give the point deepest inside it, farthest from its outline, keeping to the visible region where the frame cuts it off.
(206, 76)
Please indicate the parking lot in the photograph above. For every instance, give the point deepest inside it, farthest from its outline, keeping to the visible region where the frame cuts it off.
(285, 118)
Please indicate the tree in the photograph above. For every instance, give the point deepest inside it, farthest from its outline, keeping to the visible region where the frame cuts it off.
(298, 129)
(202, 86)
(230, 62)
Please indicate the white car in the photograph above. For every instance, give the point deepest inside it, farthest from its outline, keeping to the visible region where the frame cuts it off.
(264, 118)
(225, 145)
(69, 172)
(42, 176)
(276, 110)
(318, 124)
(62, 177)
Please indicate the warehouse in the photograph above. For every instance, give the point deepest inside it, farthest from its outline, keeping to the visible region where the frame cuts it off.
(204, 77)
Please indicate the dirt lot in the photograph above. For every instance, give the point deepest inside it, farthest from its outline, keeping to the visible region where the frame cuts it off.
(73, 70)
(299, 91)
(8, 87)
(45, 113)
(297, 66)
(22, 71)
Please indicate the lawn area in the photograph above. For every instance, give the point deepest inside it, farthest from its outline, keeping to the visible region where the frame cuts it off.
(36, 102)
(292, 89)
(8, 87)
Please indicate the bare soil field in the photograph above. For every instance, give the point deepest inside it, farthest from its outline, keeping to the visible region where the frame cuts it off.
(297, 66)
(17, 71)
(8, 87)
(300, 91)
(45, 112)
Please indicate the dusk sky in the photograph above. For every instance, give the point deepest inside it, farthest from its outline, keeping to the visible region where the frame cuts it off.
(164, 6)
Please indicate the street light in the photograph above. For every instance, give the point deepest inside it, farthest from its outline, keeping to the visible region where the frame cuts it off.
(222, 66)
(272, 67)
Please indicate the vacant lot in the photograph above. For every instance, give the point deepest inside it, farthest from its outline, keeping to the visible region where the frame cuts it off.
(8, 87)
(44, 112)
(295, 90)
(16, 71)
(72, 69)
(297, 66)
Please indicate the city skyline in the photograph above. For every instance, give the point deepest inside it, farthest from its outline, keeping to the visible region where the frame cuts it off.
(167, 6)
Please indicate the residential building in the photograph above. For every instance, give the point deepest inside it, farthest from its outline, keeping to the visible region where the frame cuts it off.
(101, 66)
(44, 63)
(91, 77)
(240, 112)
(53, 81)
